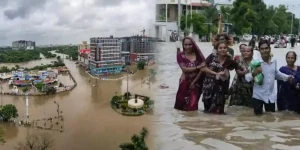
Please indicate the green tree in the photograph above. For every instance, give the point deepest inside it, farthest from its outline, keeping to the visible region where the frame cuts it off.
(280, 18)
(16, 56)
(141, 65)
(17, 67)
(197, 21)
(39, 86)
(212, 19)
(26, 89)
(253, 16)
(50, 90)
(58, 58)
(137, 142)
(240, 24)
(8, 111)
(127, 95)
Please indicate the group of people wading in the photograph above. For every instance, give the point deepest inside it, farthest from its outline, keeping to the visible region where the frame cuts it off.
(210, 77)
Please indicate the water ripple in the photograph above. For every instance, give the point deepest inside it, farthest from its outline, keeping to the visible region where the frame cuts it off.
(239, 129)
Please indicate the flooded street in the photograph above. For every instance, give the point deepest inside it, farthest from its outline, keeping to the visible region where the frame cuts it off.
(89, 121)
(238, 130)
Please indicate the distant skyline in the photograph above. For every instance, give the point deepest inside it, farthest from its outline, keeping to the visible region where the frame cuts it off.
(72, 21)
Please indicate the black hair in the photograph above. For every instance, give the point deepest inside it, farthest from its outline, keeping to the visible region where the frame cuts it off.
(222, 35)
(250, 47)
(261, 42)
(242, 45)
(219, 43)
(294, 53)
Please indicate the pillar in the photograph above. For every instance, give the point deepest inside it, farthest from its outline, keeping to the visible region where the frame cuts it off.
(166, 13)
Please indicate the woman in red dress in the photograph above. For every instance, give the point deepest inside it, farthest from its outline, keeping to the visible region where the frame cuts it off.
(191, 60)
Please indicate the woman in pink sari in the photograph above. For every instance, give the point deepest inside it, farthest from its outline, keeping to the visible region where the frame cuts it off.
(191, 60)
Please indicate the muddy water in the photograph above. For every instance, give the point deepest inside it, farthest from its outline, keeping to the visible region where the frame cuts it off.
(239, 129)
(89, 121)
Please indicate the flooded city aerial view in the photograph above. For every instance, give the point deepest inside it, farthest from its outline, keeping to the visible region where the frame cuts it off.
(72, 78)
(149, 75)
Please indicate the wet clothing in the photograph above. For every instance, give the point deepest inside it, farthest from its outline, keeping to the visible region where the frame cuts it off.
(237, 57)
(258, 106)
(288, 95)
(266, 92)
(215, 91)
(187, 99)
(241, 90)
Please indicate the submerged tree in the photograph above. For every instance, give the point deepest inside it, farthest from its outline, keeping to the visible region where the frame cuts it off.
(2, 141)
(141, 65)
(137, 142)
(37, 141)
(8, 111)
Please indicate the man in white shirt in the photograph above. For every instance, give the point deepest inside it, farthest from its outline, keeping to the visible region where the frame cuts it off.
(265, 95)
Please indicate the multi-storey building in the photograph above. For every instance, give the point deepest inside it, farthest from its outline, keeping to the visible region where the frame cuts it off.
(22, 44)
(84, 53)
(105, 57)
(125, 44)
(142, 48)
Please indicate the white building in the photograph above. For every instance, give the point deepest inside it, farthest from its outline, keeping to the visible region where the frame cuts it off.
(224, 3)
(167, 15)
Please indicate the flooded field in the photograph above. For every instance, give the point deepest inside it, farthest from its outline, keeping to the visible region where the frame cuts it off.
(238, 130)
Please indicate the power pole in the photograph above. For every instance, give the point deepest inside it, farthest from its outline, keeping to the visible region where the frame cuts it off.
(179, 17)
(292, 21)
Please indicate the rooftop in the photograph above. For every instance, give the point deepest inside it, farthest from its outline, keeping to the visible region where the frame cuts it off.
(224, 2)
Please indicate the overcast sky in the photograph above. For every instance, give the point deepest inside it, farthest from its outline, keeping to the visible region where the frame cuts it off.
(72, 21)
(289, 3)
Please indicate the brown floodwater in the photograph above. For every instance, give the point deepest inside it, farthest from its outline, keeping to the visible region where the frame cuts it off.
(89, 122)
(238, 130)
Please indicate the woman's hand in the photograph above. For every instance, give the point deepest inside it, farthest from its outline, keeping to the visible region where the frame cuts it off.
(201, 66)
(291, 78)
(257, 71)
(192, 85)
(245, 71)
(222, 73)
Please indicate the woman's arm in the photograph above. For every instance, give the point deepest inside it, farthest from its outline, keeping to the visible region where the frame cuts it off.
(188, 69)
(208, 71)
(185, 69)
(191, 69)
(197, 77)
